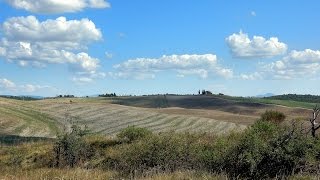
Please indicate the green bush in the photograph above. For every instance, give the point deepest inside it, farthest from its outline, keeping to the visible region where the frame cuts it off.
(273, 116)
(70, 149)
(268, 151)
(169, 152)
(133, 133)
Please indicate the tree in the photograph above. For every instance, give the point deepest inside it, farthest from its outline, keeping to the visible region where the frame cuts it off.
(314, 125)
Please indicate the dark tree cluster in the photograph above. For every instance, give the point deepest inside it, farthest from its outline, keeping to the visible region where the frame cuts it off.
(108, 95)
(23, 98)
(204, 92)
(65, 96)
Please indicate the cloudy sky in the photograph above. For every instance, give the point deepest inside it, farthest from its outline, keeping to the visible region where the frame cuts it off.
(85, 47)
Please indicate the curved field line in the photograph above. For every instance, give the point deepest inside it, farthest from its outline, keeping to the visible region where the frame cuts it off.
(127, 123)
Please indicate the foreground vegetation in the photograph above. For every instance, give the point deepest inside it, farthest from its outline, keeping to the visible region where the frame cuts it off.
(268, 149)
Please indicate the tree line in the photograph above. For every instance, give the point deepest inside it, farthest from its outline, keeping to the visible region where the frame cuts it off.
(296, 97)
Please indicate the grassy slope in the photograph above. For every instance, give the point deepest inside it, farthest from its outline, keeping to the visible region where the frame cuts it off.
(103, 117)
(217, 114)
(19, 118)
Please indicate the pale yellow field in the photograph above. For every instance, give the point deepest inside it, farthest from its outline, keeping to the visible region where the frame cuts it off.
(47, 117)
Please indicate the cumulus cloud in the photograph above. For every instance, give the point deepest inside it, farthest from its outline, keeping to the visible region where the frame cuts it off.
(29, 42)
(52, 32)
(57, 6)
(200, 65)
(9, 86)
(296, 65)
(242, 46)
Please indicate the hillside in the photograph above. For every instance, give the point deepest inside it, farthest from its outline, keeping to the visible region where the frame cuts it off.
(45, 118)
(228, 104)
(103, 117)
(21, 118)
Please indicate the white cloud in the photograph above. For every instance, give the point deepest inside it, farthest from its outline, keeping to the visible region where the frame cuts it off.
(253, 76)
(81, 80)
(131, 75)
(296, 65)
(99, 4)
(30, 88)
(57, 6)
(25, 53)
(29, 42)
(2, 51)
(242, 46)
(87, 77)
(9, 86)
(62, 32)
(200, 65)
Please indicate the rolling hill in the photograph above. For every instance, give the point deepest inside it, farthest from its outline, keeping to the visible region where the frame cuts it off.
(46, 118)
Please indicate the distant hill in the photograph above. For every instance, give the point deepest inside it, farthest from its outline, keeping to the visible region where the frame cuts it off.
(297, 97)
(265, 95)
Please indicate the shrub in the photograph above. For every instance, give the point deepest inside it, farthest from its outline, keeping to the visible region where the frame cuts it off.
(273, 116)
(268, 151)
(168, 152)
(133, 133)
(70, 149)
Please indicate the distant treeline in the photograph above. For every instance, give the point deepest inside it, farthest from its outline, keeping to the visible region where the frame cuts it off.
(296, 97)
(65, 96)
(108, 95)
(24, 98)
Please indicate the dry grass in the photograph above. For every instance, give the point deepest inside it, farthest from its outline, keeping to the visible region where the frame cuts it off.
(21, 118)
(185, 175)
(107, 118)
(61, 174)
(192, 113)
(85, 174)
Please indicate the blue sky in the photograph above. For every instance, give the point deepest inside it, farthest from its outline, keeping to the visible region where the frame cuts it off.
(86, 47)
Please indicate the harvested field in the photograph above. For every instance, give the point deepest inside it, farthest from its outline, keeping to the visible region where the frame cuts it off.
(109, 118)
(44, 118)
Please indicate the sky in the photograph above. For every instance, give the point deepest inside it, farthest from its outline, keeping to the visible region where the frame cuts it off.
(88, 47)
